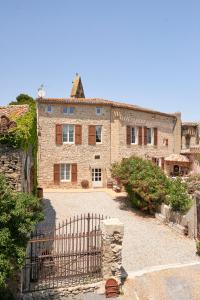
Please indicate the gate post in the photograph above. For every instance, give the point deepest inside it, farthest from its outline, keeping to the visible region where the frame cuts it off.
(112, 237)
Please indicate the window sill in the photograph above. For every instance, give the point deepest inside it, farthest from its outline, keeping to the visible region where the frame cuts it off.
(65, 180)
(68, 143)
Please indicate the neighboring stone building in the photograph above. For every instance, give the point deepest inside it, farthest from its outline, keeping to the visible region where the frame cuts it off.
(15, 164)
(79, 138)
(190, 135)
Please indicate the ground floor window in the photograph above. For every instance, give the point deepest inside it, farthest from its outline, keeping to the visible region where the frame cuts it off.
(65, 172)
(96, 174)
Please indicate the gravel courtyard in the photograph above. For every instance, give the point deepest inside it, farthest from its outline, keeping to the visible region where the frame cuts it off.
(146, 243)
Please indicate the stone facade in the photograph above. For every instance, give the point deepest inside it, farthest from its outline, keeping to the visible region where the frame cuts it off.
(114, 121)
(190, 135)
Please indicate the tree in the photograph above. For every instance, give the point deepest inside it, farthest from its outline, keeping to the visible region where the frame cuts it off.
(19, 213)
(23, 99)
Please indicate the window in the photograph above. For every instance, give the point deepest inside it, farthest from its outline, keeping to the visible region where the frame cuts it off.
(65, 110)
(134, 135)
(149, 136)
(49, 108)
(98, 111)
(98, 134)
(96, 174)
(65, 172)
(68, 133)
(71, 110)
(97, 157)
(68, 110)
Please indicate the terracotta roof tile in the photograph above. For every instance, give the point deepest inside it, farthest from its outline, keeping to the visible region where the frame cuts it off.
(99, 101)
(13, 111)
(177, 158)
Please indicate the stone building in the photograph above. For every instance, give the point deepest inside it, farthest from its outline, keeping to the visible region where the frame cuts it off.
(79, 138)
(15, 164)
(190, 135)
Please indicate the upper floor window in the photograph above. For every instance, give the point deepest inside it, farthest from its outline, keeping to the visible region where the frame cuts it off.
(68, 110)
(68, 133)
(99, 111)
(134, 135)
(65, 172)
(49, 108)
(150, 136)
(98, 134)
(187, 141)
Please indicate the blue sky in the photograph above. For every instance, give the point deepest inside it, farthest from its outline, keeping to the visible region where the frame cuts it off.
(142, 52)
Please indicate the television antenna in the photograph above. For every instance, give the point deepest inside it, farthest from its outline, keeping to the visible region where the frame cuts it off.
(41, 92)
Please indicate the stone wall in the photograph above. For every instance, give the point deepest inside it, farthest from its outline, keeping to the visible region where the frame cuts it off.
(184, 224)
(113, 232)
(62, 293)
(113, 147)
(15, 165)
(11, 166)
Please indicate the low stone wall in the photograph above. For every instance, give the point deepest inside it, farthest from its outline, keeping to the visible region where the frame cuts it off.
(185, 224)
(61, 293)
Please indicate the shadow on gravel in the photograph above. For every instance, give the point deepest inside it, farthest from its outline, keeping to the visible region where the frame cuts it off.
(125, 204)
(49, 221)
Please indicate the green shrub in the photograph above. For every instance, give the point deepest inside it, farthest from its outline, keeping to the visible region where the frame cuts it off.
(19, 213)
(148, 186)
(178, 197)
(145, 182)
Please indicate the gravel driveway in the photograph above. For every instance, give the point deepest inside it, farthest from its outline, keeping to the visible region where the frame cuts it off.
(146, 242)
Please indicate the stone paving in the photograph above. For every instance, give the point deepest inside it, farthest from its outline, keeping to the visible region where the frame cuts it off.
(147, 242)
(181, 283)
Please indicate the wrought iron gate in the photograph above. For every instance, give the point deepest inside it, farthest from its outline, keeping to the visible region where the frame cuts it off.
(65, 255)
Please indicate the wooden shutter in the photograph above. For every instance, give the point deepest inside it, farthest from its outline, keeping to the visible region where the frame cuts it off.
(162, 163)
(155, 136)
(92, 135)
(74, 172)
(58, 134)
(78, 134)
(56, 173)
(145, 135)
(153, 160)
(140, 135)
(128, 135)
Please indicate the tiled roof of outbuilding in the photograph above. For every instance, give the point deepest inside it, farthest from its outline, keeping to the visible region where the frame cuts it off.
(13, 111)
(99, 101)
